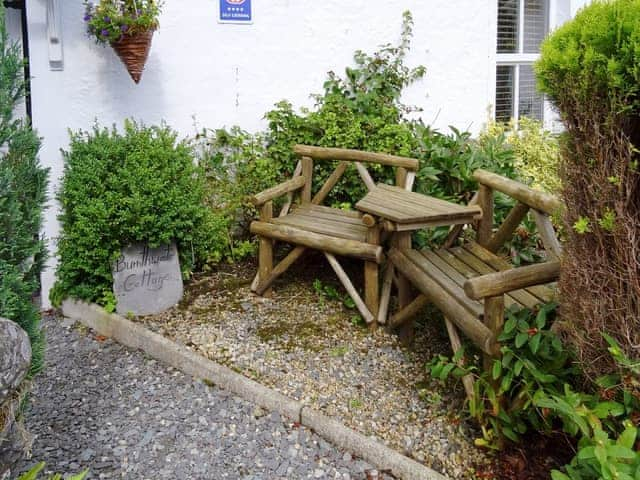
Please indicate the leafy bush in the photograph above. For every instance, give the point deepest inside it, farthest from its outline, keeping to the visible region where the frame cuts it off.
(447, 163)
(589, 69)
(606, 423)
(141, 185)
(235, 167)
(536, 150)
(361, 110)
(23, 185)
(533, 363)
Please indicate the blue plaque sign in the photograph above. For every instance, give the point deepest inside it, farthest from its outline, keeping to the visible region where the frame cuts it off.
(235, 11)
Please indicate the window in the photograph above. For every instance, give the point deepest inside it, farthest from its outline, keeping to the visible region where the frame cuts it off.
(522, 25)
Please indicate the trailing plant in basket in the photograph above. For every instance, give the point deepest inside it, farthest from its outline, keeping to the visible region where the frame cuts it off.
(126, 25)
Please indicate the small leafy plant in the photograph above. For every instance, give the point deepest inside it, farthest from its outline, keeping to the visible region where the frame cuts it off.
(110, 20)
(606, 423)
(533, 363)
(34, 474)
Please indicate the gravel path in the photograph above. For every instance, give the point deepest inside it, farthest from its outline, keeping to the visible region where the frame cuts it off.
(100, 406)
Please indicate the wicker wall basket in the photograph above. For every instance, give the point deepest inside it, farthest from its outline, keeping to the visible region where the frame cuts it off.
(133, 50)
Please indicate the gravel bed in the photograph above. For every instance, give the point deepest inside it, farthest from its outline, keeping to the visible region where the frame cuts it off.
(310, 348)
(101, 406)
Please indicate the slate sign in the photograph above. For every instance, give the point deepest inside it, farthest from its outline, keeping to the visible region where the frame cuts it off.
(235, 11)
(147, 280)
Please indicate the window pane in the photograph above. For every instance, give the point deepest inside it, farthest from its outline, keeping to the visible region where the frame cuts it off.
(530, 102)
(535, 24)
(504, 92)
(508, 22)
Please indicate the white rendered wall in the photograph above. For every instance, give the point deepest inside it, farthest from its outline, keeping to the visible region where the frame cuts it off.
(232, 74)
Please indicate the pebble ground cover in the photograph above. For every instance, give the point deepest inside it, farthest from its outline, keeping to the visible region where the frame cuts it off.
(310, 348)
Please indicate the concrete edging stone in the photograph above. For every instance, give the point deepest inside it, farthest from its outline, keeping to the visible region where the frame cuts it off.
(135, 336)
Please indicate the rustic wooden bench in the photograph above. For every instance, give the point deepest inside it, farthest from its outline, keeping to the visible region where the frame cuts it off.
(468, 282)
(307, 224)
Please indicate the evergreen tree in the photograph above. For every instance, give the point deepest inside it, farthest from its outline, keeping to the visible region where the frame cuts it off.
(23, 186)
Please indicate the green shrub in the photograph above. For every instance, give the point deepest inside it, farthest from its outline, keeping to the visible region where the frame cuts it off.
(589, 69)
(447, 163)
(536, 150)
(141, 185)
(533, 363)
(23, 185)
(361, 110)
(235, 167)
(606, 423)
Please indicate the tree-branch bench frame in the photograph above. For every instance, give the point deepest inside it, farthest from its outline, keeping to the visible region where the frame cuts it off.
(308, 224)
(469, 283)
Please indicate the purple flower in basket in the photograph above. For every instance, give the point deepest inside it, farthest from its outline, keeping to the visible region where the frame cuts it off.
(87, 17)
(104, 33)
(124, 28)
(107, 19)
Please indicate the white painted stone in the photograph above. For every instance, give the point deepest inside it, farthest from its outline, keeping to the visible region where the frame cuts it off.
(147, 280)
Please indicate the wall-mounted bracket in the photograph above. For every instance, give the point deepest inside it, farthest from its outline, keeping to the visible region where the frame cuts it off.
(54, 35)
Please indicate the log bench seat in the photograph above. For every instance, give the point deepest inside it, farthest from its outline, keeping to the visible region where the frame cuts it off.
(442, 277)
(469, 282)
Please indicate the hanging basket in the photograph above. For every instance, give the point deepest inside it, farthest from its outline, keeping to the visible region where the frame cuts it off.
(133, 50)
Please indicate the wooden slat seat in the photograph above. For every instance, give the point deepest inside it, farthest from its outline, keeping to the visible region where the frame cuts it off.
(441, 275)
(326, 221)
(452, 267)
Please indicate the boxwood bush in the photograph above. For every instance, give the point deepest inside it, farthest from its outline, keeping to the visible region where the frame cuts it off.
(141, 185)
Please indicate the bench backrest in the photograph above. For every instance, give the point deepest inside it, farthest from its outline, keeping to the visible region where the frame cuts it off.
(405, 168)
(541, 205)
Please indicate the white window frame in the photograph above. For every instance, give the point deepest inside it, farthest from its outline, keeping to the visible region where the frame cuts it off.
(518, 59)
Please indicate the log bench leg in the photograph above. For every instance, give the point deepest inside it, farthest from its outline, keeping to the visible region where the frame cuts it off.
(406, 332)
(265, 256)
(371, 280)
(494, 320)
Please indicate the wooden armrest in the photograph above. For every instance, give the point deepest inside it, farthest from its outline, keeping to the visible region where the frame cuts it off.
(274, 192)
(498, 283)
(537, 199)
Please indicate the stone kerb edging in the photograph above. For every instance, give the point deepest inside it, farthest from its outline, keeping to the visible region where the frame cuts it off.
(134, 335)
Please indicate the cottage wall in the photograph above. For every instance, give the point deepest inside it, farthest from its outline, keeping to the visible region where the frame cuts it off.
(202, 73)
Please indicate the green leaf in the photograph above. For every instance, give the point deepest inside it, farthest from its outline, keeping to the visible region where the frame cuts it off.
(558, 475)
(505, 385)
(510, 325)
(541, 318)
(600, 453)
(517, 368)
(534, 343)
(618, 451)
(521, 339)
(497, 369)
(604, 409)
(510, 434)
(628, 437)
(608, 381)
(586, 453)
(507, 358)
(33, 473)
(446, 371)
